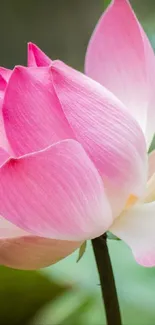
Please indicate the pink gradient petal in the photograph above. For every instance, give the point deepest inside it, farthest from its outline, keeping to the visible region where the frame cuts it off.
(120, 57)
(32, 114)
(136, 227)
(109, 134)
(1, 98)
(150, 128)
(55, 193)
(4, 77)
(151, 164)
(4, 156)
(18, 249)
(36, 57)
(5, 147)
(5, 73)
(9, 230)
(31, 252)
(3, 84)
(150, 70)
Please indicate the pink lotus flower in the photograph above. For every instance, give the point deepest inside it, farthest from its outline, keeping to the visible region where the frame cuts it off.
(73, 158)
(120, 57)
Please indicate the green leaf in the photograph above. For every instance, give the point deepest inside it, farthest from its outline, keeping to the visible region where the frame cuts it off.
(82, 250)
(23, 293)
(152, 146)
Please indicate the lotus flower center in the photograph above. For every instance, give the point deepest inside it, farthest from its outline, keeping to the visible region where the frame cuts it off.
(131, 201)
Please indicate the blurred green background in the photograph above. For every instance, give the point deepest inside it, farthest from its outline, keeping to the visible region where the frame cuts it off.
(68, 293)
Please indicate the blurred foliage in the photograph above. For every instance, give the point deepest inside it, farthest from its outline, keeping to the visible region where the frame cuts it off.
(72, 308)
(23, 293)
(60, 28)
(135, 285)
(69, 292)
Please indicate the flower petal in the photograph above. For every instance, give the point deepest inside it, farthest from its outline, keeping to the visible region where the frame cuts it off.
(151, 164)
(109, 134)
(32, 114)
(136, 227)
(37, 58)
(18, 249)
(4, 77)
(55, 193)
(3, 85)
(5, 73)
(149, 194)
(120, 57)
(5, 147)
(9, 230)
(4, 155)
(150, 191)
(31, 252)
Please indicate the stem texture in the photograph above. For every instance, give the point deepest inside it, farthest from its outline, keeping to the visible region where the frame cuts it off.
(109, 293)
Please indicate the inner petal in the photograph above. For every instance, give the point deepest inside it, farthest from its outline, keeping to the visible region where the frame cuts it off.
(150, 192)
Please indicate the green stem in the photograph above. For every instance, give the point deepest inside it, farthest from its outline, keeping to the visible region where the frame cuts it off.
(107, 281)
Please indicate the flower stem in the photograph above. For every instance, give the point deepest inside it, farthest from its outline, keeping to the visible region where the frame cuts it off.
(107, 281)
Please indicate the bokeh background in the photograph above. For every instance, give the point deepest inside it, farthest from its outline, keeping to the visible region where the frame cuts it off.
(68, 293)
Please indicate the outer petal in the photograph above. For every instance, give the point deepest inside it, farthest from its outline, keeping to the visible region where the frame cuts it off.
(108, 133)
(1, 94)
(55, 193)
(3, 85)
(137, 228)
(120, 57)
(32, 114)
(37, 58)
(4, 77)
(18, 249)
(5, 148)
(5, 73)
(9, 230)
(34, 252)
